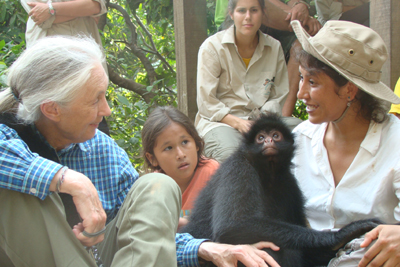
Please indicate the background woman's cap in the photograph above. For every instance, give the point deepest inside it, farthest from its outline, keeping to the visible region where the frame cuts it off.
(355, 51)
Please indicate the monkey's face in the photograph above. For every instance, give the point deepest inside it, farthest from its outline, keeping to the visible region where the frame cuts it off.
(267, 141)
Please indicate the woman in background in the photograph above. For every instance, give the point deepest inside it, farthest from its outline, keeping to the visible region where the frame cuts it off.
(241, 72)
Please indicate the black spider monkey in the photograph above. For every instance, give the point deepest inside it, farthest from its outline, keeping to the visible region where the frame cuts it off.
(254, 197)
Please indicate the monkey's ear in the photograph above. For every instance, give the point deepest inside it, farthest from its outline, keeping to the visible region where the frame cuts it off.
(152, 159)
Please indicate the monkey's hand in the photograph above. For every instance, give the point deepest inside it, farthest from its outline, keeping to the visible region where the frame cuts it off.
(386, 250)
(224, 255)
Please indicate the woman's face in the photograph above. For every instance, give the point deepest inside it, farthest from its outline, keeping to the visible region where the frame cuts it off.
(247, 17)
(324, 99)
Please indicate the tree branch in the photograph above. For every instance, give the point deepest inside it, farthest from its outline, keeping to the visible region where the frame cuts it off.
(128, 22)
(152, 44)
(133, 45)
(130, 85)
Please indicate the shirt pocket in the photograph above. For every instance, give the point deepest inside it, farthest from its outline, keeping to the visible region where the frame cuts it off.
(258, 88)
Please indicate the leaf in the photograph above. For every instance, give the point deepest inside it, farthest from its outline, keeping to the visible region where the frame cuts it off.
(123, 100)
(2, 44)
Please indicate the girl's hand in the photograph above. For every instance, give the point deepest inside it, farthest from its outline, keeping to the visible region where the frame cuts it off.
(182, 222)
(39, 12)
(224, 255)
(386, 250)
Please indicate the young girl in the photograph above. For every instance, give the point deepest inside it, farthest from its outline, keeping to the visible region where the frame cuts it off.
(171, 145)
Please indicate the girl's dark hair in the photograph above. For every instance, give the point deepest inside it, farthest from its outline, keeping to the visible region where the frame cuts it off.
(371, 108)
(159, 119)
(231, 7)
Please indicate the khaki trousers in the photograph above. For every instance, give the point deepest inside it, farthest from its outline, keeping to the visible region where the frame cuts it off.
(35, 233)
(351, 254)
(221, 142)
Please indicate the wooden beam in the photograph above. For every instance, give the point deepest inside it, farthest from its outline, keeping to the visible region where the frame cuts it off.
(385, 19)
(190, 20)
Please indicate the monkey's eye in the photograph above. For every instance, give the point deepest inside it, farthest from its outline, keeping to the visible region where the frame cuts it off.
(260, 138)
(277, 136)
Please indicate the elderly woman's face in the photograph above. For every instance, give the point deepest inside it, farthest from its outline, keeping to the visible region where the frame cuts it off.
(324, 99)
(80, 119)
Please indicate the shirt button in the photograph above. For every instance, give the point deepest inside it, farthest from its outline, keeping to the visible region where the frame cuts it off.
(33, 190)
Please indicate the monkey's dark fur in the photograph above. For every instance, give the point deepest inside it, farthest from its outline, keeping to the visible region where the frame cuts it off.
(253, 197)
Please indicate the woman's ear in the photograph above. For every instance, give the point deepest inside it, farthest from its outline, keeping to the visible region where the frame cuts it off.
(51, 110)
(152, 159)
(351, 90)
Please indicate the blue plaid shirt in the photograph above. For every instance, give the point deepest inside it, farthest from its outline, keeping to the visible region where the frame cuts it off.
(100, 159)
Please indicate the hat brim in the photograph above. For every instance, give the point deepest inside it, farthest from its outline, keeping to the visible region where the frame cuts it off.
(378, 90)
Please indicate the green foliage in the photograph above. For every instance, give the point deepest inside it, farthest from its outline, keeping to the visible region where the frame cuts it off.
(300, 110)
(12, 34)
(154, 34)
(211, 27)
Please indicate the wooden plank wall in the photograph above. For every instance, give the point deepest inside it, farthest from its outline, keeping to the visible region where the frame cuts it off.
(190, 32)
(385, 19)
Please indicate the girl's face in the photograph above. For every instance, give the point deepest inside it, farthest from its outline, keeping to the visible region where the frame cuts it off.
(175, 152)
(247, 17)
(324, 99)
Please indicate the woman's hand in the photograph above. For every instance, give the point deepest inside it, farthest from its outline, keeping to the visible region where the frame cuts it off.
(39, 12)
(386, 250)
(298, 12)
(224, 255)
(87, 204)
(312, 26)
(239, 124)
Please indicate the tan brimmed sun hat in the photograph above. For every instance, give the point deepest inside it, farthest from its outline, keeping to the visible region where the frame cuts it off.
(355, 51)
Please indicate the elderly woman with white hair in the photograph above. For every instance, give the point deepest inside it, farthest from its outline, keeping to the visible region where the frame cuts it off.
(61, 178)
(347, 163)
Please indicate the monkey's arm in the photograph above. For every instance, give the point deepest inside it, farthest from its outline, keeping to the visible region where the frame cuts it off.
(287, 235)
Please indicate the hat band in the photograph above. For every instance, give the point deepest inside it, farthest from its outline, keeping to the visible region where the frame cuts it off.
(347, 66)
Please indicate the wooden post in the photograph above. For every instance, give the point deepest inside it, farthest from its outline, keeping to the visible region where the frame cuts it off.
(190, 20)
(385, 19)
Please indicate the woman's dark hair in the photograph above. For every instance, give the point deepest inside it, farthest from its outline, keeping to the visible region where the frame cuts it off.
(371, 108)
(231, 7)
(159, 119)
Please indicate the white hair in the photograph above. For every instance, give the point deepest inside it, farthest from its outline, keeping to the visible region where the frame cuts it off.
(53, 69)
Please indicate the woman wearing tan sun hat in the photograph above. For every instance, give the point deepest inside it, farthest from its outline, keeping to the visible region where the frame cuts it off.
(348, 158)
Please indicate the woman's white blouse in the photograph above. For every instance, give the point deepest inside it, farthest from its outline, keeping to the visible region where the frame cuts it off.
(370, 188)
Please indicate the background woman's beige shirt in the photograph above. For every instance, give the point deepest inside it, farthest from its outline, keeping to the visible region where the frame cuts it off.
(226, 86)
(86, 26)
